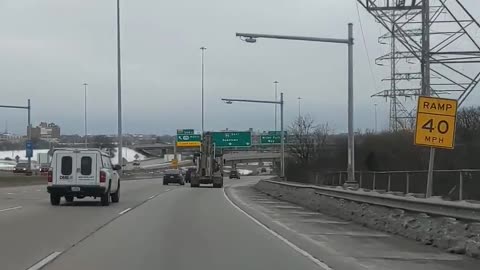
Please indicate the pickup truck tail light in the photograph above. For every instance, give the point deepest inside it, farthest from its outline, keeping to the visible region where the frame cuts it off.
(50, 176)
(103, 177)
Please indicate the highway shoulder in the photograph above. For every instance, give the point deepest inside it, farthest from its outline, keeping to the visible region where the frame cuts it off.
(337, 243)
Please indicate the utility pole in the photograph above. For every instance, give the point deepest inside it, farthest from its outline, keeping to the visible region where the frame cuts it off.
(276, 98)
(375, 117)
(282, 139)
(119, 83)
(351, 137)
(426, 90)
(203, 89)
(29, 130)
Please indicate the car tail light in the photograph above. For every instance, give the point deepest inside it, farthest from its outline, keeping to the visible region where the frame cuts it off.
(50, 177)
(103, 177)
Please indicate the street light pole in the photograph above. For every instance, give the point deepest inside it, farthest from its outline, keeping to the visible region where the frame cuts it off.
(276, 98)
(119, 83)
(86, 139)
(29, 124)
(375, 117)
(282, 135)
(252, 38)
(29, 131)
(351, 137)
(282, 139)
(203, 89)
(299, 111)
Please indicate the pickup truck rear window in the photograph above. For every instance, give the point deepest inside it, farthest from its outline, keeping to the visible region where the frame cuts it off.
(66, 165)
(86, 166)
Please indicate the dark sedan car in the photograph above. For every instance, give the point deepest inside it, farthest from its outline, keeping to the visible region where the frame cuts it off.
(20, 168)
(173, 176)
(234, 174)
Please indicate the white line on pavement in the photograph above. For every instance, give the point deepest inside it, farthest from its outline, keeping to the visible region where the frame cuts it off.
(45, 261)
(11, 208)
(283, 239)
(10, 193)
(167, 189)
(124, 211)
(151, 197)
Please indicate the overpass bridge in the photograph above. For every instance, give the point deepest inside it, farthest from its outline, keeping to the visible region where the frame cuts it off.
(247, 156)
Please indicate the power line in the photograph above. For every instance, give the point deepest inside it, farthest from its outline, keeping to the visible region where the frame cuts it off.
(366, 48)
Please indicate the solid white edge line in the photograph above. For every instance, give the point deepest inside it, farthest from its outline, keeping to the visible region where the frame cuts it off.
(124, 211)
(283, 239)
(45, 261)
(11, 208)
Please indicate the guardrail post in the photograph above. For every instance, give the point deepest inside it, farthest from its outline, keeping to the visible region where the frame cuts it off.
(360, 180)
(389, 182)
(460, 189)
(374, 178)
(407, 188)
(340, 178)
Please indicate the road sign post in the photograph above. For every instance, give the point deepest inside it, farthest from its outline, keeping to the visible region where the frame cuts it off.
(435, 128)
(29, 149)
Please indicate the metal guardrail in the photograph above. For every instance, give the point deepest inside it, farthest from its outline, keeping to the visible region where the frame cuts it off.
(437, 207)
(452, 184)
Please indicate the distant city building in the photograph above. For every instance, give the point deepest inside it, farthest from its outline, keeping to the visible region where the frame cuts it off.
(8, 137)
(46, 131)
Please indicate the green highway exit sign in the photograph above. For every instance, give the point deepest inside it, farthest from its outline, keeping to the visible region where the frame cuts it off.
(232, 139)
(270, 139)
(185, 132)
(184, 140)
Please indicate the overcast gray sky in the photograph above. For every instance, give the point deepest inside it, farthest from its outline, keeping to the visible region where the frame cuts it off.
(49, 48)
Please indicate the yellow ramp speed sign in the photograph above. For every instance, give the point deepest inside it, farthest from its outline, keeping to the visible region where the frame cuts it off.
(435, 125)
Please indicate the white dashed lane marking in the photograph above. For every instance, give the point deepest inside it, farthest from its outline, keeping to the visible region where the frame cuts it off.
(124, 211)
(11, 208)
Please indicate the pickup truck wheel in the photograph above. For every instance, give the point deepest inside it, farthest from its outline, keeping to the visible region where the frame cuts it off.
(69, 198)
(105, 199)
(116, 195)
(54, 199)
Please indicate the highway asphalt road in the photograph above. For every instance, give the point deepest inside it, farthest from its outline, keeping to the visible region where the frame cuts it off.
(175, 227)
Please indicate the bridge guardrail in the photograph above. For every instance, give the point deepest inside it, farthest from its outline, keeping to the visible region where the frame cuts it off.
(432, 206)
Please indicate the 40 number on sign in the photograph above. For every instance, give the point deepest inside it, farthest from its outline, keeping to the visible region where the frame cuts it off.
(442, 126)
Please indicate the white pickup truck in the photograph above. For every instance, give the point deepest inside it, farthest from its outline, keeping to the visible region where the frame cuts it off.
(83, 172)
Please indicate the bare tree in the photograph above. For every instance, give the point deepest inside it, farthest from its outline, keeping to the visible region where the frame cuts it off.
(308, 139)
(468, 123)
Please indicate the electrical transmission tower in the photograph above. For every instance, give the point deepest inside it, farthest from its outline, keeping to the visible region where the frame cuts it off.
(433, 50)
